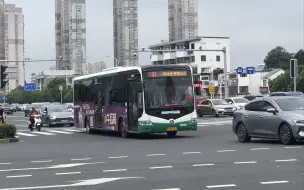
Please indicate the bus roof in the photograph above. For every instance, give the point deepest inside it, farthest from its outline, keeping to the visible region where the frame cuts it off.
(114, 70)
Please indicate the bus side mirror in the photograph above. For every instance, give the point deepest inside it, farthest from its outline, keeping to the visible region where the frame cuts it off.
(140, 87)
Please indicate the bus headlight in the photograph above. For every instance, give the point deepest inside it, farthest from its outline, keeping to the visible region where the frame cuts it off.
(148, 122)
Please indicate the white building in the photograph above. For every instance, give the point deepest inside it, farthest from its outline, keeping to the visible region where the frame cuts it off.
(70, 34)
(12, 42)
(42, 79)
(206, 61)
(125, 32)
(182, 19)
(254, 84)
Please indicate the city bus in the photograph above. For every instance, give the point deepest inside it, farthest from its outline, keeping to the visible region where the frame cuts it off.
(140, 100)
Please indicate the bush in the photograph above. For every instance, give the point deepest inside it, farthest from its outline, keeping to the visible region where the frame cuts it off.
(7, 131)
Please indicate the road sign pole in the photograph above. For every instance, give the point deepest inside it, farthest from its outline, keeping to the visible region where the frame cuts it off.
(61, 96)
(225, 73)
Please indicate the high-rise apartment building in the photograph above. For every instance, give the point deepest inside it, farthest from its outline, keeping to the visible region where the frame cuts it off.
(12, 43)
(125, 32)
(183, 19)
(70, 27)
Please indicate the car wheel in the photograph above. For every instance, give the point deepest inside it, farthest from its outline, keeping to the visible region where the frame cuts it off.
(214, 113)
(242, 134)
(199, 113)
(123, 130)
(171, 133)
(286, 135)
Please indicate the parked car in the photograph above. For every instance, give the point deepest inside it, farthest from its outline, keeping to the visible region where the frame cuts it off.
(252, 97)
(56, 115)
(237, 101)
(278, 117)
(7, 109)
(215, 107)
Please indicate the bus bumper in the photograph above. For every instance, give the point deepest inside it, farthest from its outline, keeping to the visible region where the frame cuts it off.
(165, 127)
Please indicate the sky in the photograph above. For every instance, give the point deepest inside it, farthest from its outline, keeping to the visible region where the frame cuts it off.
(254, 28)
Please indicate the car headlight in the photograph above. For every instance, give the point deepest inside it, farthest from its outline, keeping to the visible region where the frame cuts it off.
(234, 109)
(299, 122)
(53, 117)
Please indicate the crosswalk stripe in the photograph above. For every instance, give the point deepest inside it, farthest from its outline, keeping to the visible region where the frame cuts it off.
(26, 134)
(43, 133)
(71, 130)
(56, 131)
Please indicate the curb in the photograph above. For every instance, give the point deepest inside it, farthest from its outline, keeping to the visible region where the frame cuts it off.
(9, 140)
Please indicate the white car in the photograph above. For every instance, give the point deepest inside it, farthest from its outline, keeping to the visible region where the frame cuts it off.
(237, 101)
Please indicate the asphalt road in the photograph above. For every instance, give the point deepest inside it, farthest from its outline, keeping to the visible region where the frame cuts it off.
(210, 158)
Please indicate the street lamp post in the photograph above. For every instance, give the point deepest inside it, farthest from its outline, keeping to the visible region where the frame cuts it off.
(66, 77)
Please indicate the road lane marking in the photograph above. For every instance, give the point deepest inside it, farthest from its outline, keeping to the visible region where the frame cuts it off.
(201, 165)
(118, 157)
(5, 163)
(56, 131)
(160, 167)
(25, 134)
(18, 176)
(80, 159)
(41, 161)
(289, 160)
(71, 130)
(43, 133)
(213, 123)
(168, 189)
(68, 173)
(259, 149)
(226, 151)
(191, 153)
(156, 154)
(248, 162)
(220, 186)
(291, 147)
(273, 182)
(117, 170)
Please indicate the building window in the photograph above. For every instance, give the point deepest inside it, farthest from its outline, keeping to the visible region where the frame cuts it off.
(192, 58)
(243, 89)
(192, 46)
(203, 58)
(264, 83)
(218, 58)
(243, 75)
(206, 78)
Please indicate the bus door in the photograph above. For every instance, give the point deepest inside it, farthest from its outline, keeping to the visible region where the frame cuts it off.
(132, 105)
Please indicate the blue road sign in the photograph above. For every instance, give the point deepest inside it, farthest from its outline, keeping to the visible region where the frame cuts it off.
(3, 97)
(30, 87)
(250, 70)
(239, 70)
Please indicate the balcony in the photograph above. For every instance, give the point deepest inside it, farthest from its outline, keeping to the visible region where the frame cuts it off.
(169, 55)
(157, 57)
(182, 54)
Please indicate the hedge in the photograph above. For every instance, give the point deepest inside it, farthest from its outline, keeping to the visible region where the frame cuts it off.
(7, 131)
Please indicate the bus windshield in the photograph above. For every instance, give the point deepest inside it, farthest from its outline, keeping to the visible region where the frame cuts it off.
(168, 91)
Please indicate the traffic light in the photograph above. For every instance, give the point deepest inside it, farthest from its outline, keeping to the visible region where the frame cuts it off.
(3, 76)
(293, 68)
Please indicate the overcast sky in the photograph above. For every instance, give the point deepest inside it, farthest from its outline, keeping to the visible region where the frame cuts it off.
(254, 27)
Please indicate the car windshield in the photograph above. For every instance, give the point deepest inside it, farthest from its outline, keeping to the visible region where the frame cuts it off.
(290, 104)
(55, 108)
(220, 102)
(167, 91)
(240, 100)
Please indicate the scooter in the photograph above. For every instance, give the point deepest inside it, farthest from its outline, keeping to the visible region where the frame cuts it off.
(37, 125)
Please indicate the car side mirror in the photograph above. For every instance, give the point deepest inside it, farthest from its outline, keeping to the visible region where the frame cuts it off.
(271, 110)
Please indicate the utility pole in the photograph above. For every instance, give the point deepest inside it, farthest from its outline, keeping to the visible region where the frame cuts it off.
(294, 72)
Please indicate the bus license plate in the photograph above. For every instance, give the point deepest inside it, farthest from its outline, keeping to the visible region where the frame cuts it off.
(172, 129)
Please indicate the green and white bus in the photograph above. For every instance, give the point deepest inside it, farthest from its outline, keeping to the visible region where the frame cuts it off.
(142, 99)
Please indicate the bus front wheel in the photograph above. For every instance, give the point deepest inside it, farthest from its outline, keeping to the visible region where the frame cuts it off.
(171, 133)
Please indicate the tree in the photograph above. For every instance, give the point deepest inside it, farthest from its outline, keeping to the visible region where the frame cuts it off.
(278, 58)
(300, 57)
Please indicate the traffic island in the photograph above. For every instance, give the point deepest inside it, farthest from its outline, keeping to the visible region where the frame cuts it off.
(8, 133)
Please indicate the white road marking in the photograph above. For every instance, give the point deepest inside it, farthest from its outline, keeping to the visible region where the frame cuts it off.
(289, 160)
(248, 162)
(71, 130)
(220, 186)
(43, 133)
(119, 157)
(25, 134)
(160, 167)
(117, 170)
(291, 147)
(41, 161)
(200, 165)
(18, 176)
(80, 159)
(191, 153)
(168, 189)
(226, 151)
(273, 182)
(212, 123)
(156, 154)
(56, 131)
(5, 163)
(259, 149)
(68, 173)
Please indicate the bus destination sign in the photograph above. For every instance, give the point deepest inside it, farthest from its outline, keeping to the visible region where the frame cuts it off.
(155, 74)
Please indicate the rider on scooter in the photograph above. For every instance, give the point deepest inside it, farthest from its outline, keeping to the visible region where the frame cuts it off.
(32, 118)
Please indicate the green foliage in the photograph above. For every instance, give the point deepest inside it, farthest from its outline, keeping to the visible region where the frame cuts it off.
(284, 82)
(7, 131)
(278, 58)
(49, 94)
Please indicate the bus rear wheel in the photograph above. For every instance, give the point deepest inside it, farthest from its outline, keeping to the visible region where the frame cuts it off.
(171, 133)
